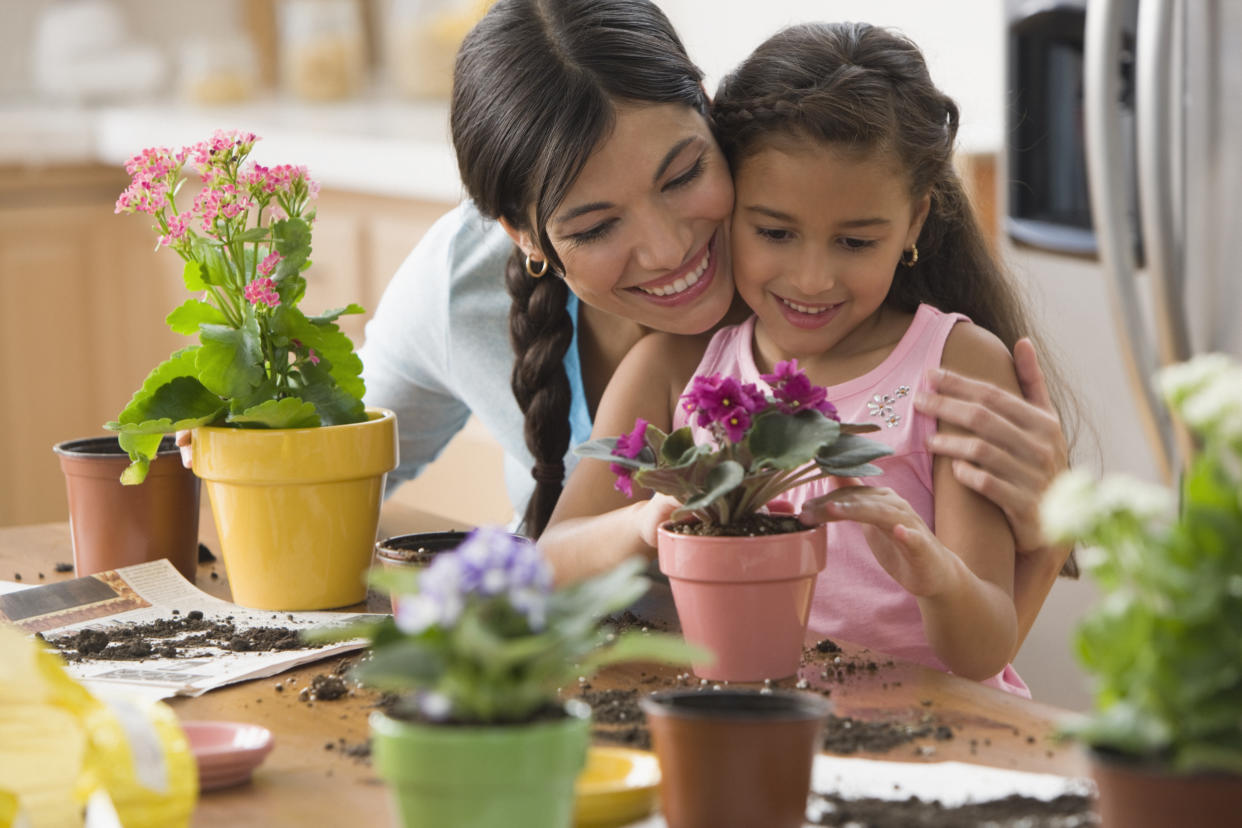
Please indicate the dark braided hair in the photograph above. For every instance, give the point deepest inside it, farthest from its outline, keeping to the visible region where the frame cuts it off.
(535, 91)
(867, 90)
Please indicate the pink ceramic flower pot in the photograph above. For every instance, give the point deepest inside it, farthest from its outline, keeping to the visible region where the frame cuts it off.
(747, 599)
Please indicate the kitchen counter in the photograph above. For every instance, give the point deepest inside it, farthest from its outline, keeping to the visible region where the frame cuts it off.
(376, 147)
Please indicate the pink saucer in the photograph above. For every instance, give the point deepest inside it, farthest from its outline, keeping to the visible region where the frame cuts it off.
(227, 752)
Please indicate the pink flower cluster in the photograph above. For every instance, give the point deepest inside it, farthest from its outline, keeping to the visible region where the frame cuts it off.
(152, 172)
(794, 391)
(269, 263)
(262, 292)
(229, 192)
(628, 445)
(732, 405)
(724, 401)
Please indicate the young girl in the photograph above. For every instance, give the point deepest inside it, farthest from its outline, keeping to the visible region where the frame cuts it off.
(856, 248)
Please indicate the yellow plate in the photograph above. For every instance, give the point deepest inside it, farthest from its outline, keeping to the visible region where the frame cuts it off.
(618, 785)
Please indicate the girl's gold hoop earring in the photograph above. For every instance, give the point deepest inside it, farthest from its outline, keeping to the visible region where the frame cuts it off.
(530, 270)
(908, 261)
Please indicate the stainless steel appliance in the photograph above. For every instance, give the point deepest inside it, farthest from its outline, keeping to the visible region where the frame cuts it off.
(1123, 191)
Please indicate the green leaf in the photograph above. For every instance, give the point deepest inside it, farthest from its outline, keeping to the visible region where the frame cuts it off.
(254, 234)
(721, 480)
(195, 276)
(230, 361)
(289, 412)
(849, 453)
(679, 448)
(186, 318)
(402, 665)
(658, 648)
(180, 403)
(335, 313)
(141, 449)
(334, 404)
(779, 441)
(292, 238)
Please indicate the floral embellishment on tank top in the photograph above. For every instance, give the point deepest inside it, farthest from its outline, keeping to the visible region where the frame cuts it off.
(884, 405)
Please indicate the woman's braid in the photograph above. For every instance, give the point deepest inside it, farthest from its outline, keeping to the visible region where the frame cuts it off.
(541, 331)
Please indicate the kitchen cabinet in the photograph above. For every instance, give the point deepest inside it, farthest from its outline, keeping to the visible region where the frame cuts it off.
(83, 296)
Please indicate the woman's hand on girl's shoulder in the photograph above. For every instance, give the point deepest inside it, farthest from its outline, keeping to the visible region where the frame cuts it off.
(1014, 445)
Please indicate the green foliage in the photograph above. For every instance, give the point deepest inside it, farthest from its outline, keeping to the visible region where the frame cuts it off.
(486, 662)
(1165, 644)
(261, 362)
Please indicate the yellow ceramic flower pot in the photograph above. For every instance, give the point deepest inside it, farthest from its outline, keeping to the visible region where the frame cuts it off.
(297, 509)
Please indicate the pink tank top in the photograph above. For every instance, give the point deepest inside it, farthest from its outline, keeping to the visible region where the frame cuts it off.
(855, 599)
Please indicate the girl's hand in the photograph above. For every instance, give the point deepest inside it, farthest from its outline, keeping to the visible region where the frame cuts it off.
(898, 537)
(184, 442)
(653, 514)
(1017, 446)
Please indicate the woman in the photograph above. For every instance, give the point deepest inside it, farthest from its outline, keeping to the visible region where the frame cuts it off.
(599, 194)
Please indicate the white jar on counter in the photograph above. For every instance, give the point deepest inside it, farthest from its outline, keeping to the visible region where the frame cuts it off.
(322, 48)
(421, 38)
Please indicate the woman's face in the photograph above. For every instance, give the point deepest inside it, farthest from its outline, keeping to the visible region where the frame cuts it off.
(642, 233)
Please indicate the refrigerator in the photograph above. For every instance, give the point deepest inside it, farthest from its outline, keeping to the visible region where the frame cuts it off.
(1121, 186)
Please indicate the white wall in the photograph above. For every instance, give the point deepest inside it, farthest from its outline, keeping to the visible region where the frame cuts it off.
(962, 41)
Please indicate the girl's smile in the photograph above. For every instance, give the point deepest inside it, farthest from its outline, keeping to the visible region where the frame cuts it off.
(818, 232)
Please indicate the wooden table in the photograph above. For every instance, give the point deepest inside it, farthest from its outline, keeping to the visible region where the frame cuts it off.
(308, 780)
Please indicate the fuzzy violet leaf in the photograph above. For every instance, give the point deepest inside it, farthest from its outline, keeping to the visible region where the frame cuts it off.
(744, 447)
(481, 636)
(245, 238)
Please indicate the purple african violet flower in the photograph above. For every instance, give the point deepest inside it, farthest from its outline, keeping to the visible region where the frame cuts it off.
(623, 484)
(488, 563)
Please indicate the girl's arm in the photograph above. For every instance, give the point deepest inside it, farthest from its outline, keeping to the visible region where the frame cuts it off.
(594, 527)
(962, 575)
(1008, 448)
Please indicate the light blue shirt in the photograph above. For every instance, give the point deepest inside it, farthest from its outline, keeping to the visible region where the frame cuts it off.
(437, 350)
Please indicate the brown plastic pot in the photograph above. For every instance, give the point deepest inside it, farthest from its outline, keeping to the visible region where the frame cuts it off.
(1145, 795)
(414, 551)
(113, 525)
(735, 758)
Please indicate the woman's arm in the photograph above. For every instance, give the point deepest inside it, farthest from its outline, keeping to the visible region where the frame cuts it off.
(594, 526)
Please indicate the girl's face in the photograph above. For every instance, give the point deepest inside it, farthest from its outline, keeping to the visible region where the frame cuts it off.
(642, 232)
(817, 236)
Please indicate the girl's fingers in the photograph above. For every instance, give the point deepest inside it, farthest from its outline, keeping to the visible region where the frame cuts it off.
(184, 438)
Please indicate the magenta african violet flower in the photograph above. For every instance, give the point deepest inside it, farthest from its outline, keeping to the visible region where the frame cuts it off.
(754, 447)
(628, 446)
(794, 391)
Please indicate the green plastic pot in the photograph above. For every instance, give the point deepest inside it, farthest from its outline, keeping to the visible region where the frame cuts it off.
(503, 776)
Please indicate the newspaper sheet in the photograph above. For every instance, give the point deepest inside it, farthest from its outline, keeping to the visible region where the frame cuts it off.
(147, 593)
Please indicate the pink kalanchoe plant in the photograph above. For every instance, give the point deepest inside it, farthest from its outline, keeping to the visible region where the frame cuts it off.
(755, 445)
(245, 239)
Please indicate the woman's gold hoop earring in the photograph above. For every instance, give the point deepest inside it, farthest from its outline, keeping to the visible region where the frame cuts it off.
(535, 274)
(908, 262)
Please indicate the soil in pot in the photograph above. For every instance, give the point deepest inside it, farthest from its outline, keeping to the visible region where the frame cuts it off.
(1065, 811)
(417, 549)
(748, 526)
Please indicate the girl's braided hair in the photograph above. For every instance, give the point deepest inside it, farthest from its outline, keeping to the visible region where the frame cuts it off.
(866, 90)
(535, 90)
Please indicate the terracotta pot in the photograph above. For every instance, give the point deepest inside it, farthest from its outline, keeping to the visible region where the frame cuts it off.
(115, 525)
(500, 776)
(747, 599)
(1144, 795)
(735, 758)
(296, 509)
